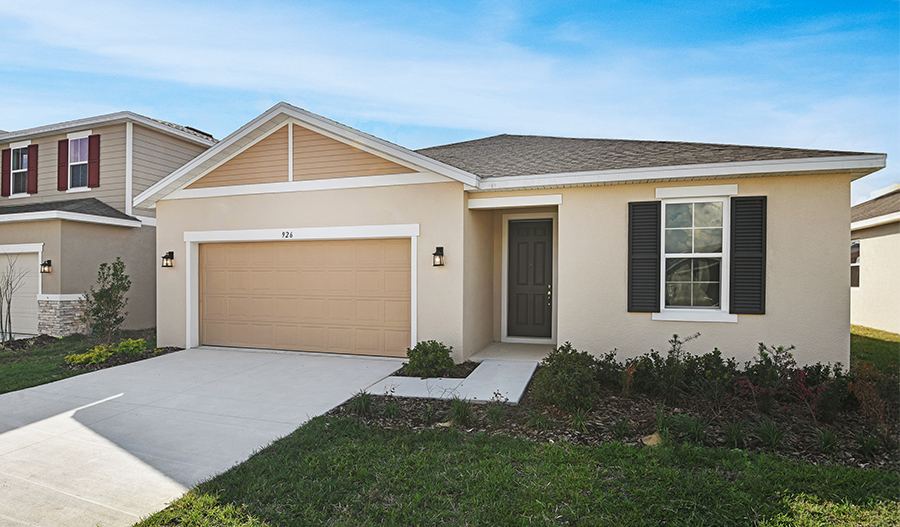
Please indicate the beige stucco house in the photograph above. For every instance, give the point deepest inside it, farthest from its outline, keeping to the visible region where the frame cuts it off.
(299, 233)
(875, 262)
(66, 201)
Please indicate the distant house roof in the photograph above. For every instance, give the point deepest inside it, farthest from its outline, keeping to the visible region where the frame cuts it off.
(883, 205)
(519, 155)
(90, 206)
(186, 132)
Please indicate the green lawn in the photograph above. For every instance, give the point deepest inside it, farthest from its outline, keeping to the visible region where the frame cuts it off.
(23, 369)
(880, 348)
(340, 472)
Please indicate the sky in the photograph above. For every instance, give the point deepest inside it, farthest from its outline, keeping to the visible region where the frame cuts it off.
(817, 74)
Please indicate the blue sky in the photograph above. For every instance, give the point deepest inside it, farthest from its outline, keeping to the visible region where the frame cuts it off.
(813, 74)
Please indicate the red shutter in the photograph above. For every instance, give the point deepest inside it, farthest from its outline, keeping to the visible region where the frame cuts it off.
(32, 169)
(94, 160)
(4, 175)
(62, 166)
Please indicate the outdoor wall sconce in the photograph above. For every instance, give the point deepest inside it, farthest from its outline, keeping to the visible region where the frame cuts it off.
(168, 259)
(46, 267)
(438, 257)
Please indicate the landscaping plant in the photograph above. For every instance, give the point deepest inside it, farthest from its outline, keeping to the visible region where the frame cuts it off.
(769, 433)
(459, 413)
(100, 353)
(826, 442)
(735, 434)
(566, 379)
(579, 419)
(104, 307)
(361, 403)
(429, 359)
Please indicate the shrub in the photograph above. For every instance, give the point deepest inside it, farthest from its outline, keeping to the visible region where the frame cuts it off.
(609, 370)
(460, 412)
(579, 419)
(104, 308)
(768, 377)
(97, 355)
(567, 379)
(866, 444)
(622, 427)
(429, 359)
(129, 347)
(428, 414)
(361, 403)
(735, 434)
(865, 386)
(495, 414)
(768, 433)
(656, 375)
(826, 442)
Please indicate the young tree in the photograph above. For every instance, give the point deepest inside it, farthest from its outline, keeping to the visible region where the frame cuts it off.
(104, 307)
(12, 280)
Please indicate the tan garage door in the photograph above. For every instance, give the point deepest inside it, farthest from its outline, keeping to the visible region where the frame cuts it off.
(347, 296)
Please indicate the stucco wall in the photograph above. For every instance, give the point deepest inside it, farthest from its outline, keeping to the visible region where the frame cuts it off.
(437, 208)
(876, 302)
(807, 298)
(46, 232)
(87, 245)
(478, 321)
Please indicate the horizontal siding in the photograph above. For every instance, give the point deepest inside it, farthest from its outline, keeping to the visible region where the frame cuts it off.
(156, 155)
(264, 162)
(320, 157)
(112, 170)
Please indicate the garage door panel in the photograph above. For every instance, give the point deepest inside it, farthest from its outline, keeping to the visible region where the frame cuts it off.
(347, 296)
(24, 308)
(340, 282)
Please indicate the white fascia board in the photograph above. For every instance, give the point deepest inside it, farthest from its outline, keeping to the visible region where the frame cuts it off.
(314, 122)
(871, 162)
(16, 248)
(876, 221)
(63, 215)
(701, 191)
(306, 186)
(515, 201)
(100, 120)
(356, 232)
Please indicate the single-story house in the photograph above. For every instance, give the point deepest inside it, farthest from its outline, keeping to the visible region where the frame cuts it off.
(299, 233)
(66, 194)
(875, 261)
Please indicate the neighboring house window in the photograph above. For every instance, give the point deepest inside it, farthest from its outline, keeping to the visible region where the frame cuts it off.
(854, 263)
(78, 162)
(693, 247)
(20, 170)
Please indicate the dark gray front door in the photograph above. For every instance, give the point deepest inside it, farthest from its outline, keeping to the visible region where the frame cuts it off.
(530, 278)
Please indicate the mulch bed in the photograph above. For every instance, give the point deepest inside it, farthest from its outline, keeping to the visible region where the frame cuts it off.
(606, 423)
(29, 343)
(460, 371)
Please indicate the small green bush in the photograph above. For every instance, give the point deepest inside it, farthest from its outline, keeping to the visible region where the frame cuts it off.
(390, 409)
(826, 442)
(129, 347)
(460, 412)
(579, 419)
(622, 427)
(769, 433)
(536, 419)
(735, 434)
(567, 379)
(429, 359)
(361, 403)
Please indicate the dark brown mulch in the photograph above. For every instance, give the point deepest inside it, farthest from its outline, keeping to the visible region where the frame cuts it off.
(629, 419)
(29, 343)
(460, 371)
(117, 360)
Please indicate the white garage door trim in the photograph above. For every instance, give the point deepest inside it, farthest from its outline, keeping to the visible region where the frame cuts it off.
(193, 239)
(19, 248)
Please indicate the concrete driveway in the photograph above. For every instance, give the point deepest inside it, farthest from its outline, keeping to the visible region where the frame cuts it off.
(111, 447)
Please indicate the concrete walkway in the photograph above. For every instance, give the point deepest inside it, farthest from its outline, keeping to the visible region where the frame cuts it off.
(506, 378)
(110, 447)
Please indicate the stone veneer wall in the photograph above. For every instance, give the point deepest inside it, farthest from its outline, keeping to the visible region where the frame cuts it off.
(59, 318)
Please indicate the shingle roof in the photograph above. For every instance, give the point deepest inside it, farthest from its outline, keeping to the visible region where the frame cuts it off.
(186, 129)
(519, 155)
(91, 206)
(879, 206)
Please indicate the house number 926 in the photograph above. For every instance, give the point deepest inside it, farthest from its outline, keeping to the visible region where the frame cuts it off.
(287, 234)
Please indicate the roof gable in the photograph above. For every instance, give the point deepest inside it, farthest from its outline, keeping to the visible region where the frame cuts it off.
(370, 155)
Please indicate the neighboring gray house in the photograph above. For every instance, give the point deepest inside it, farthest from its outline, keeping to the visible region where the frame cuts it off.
(66, 194)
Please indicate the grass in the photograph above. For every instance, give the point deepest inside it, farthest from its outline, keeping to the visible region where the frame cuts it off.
(879, 348)
(340, 472)
(27, 368)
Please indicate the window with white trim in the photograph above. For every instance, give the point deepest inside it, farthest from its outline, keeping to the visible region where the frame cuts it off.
(78, 162)
(19, 170)
(854, 263)
(694, 254)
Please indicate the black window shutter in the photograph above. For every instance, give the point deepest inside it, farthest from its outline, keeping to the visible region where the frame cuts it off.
(748, 255)
(643, 256)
